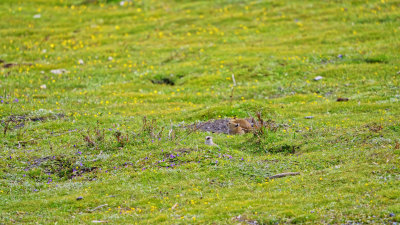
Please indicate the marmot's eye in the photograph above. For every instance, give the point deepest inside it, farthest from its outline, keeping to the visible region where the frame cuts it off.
(236, 125)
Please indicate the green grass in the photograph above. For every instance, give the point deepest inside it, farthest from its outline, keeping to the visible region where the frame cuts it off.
(348, 154)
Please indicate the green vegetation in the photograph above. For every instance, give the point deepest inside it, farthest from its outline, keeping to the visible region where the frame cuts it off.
(76, 148)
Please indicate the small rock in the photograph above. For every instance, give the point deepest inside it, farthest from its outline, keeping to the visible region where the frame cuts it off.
(81, 62)
(110, 58)
(37, 16)
(392, 215)
(44, 50)
(317, 78)
(43, 86)
(58, 71)
(79, 198)
(309, 117)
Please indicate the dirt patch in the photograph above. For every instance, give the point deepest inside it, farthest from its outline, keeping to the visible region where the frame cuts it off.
(19, 121)
(37, 162)
(221, 125)
(374, 127)
(62, 166)
(214, 126)
(36, 118)
(9, 65)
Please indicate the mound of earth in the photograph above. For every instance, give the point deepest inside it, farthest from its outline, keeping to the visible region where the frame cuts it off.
(221, 125)
(215, 126)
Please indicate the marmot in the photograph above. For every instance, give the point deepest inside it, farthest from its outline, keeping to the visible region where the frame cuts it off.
(239, 126)
(209, 141)
(235, 128)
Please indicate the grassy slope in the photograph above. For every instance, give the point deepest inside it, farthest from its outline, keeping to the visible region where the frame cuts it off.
(349, 165)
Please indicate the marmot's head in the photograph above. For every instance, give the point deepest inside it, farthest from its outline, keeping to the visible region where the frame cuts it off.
(209, 141)
(232, 124)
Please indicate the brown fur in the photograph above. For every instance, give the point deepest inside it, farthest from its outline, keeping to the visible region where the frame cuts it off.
(235, 128)
(244, 124)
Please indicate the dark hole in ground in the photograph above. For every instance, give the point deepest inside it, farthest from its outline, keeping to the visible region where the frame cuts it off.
(289, 149)
(342, 99)
(166, 81)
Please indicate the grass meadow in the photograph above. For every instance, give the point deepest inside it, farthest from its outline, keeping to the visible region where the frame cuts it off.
(98, 100)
